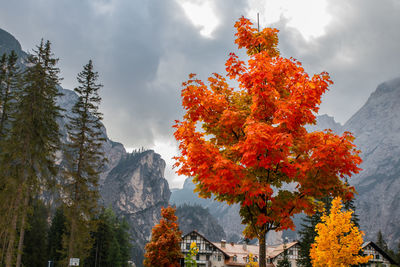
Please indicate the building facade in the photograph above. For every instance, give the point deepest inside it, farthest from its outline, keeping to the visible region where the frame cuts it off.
(379, 257)
(224, 254)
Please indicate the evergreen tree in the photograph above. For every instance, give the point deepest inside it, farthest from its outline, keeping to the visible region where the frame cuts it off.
(28, 156)
(35, 242)
(55, 236)
(84, 162)
(9, 79)
(380, 241)
(112, 244)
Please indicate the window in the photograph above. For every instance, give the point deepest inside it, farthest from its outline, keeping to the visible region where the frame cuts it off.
(290, 252)
(234, 258)
(219, 257)
(187, 246)
(193, 237)
(255, 259)
(197, 257)
(207, 257)
(377, 257)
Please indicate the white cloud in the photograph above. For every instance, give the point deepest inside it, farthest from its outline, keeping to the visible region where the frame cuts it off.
(201, 14)
(309, 17)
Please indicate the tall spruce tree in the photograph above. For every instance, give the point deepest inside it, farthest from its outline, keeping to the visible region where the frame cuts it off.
(9, 77)
(9, 80)
(84, 162)
(56, 232)
(112, 242)
(381, 242)
(36, 237)
(28, 156)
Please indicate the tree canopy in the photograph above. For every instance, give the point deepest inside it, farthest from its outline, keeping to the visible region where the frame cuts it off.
(249, 144)
(164, 248)
(338, 241)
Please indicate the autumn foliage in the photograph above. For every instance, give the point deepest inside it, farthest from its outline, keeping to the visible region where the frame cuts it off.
(164, 248)
(338, 241)
(247, 144)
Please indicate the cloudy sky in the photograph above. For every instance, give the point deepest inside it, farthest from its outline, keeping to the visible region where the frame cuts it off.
(143, 50)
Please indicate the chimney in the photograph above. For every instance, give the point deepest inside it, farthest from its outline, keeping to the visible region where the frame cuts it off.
(223, 243)
(232, 244)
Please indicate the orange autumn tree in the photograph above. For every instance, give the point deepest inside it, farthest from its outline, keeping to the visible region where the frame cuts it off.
(164, 248)
(249, 145)
(338, 241)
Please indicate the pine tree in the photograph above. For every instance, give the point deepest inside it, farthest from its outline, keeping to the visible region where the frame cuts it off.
(35, 242)
(164, 248)
(28, 156)
(9, 79)
(381, 242)
(112, 244)
(9, 76)
(349, 205)
(56, 233)
(83, 164)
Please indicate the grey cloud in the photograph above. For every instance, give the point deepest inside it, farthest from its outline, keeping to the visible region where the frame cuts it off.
(143, 50)
(359, 50)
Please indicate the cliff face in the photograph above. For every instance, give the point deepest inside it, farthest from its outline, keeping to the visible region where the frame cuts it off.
(136, 190)
(376, 127)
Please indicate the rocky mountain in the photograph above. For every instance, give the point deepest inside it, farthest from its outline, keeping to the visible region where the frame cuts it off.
(376, 127)
(195, 217)
(136, 190)
(8, 43)
(132, 184)
(226, 215)
(325, 122)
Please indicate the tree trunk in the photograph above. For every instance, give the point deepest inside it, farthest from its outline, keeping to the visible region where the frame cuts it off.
(22, 232)
(10, 247)
(13, 229)
(262, 252)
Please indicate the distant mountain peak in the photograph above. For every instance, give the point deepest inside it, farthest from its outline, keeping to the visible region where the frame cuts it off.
(8, 43)
(325, 122)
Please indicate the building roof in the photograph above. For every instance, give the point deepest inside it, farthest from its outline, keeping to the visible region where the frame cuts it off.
(274, 251)
(381, 251)
(197, 233)
(242, 251)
